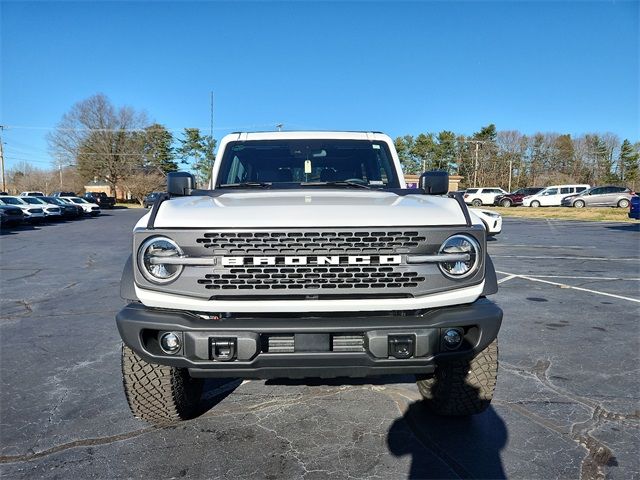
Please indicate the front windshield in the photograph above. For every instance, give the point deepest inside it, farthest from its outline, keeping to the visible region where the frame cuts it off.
(32, 200)
(52, 200)
(78, 200)
(11, 201)
(292, 163)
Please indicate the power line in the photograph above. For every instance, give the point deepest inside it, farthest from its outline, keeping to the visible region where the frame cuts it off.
(64, 129)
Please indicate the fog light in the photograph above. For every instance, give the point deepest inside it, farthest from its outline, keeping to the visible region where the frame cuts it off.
(170, 343)
(452, 338)
(401, 346)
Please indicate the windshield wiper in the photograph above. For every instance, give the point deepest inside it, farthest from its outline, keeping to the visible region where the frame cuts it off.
(245, 185)
(337, 183)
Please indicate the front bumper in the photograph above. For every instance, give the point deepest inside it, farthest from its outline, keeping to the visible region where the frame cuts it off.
(315, 340)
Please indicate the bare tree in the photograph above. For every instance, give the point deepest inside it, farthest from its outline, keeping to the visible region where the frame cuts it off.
(101, 140)
(140, 184)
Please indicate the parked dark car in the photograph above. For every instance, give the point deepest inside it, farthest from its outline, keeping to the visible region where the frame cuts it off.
(150, 199)
(515, 198)
(63, 194)
(68, 210)
(607, 196)
(100, 198)
(634, 207)
(10, 215)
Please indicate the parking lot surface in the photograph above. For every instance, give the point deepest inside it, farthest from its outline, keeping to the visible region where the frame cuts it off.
(566, 404)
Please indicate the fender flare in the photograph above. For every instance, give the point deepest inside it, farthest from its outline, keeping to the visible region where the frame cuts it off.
(490, 278)
(127, 284)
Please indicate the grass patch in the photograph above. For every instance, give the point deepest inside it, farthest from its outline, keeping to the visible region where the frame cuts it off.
(128, 205)
(567, 213)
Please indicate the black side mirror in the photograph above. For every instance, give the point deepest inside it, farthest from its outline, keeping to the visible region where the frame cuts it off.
(180, 183)
(435, 182)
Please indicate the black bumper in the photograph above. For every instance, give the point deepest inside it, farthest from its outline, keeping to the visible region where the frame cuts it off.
(313, 340)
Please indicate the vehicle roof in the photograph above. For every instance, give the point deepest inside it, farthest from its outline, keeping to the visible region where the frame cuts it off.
(306, 134)
(570, 185)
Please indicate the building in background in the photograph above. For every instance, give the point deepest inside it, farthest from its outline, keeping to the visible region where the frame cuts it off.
(454, 181)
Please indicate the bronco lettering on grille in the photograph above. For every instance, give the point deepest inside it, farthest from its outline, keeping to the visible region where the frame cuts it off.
(316, 260)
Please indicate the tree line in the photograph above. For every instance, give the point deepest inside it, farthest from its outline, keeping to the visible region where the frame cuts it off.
(119, 145)
(506, 158)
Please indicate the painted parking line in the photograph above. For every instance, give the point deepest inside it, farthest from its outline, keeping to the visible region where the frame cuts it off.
(550, 257)
(571, 277)
(564, 285)
(571, 247)
(506, 279)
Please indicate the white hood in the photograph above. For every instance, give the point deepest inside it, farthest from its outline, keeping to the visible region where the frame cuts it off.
(312, 208)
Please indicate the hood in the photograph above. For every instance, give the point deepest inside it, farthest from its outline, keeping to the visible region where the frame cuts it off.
(312, 208)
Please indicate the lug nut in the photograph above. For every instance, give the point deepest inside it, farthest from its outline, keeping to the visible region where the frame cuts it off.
(170, 343)
(452, 338)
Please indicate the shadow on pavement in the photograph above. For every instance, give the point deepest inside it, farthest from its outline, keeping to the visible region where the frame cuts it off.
(215, 391)
(319, 382)
(469, 446)
(630, 227)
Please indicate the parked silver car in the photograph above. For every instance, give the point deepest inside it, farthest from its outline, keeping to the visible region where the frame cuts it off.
(608, 196)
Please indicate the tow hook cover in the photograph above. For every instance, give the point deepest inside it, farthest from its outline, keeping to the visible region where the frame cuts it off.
(223, 349)
(401, 346)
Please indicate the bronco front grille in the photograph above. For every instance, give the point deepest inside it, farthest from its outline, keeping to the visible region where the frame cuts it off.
(326, 266)
(312, 277)
(311, 242)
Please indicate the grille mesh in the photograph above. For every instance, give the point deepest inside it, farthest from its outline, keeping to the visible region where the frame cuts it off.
(309, 242)
(311, 277)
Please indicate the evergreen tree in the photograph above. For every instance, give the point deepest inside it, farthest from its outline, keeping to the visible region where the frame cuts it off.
(197, 149)
(158, 150)
(628, 161)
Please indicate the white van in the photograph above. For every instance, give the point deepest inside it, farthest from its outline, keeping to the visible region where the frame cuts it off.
(552, 196)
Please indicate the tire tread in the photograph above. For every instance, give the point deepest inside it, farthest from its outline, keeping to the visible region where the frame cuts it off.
(157, 393)
(462, 387)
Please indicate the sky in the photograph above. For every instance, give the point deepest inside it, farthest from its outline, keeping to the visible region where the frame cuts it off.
(397, 67)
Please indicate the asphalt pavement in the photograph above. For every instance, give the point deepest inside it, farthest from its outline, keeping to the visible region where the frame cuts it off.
(566, 406)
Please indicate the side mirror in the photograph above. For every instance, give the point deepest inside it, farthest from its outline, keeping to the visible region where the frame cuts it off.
(435, 182)
(180, 183)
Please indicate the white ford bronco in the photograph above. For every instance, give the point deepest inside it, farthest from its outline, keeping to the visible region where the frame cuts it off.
(307, 256)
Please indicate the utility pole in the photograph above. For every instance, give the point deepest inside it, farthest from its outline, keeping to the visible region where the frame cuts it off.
(476, 163)
(4, 183)
(475, 168)
(510, 170)
(211, 131)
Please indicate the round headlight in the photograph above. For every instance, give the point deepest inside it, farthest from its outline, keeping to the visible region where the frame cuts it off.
(460, 244)
(151, 256)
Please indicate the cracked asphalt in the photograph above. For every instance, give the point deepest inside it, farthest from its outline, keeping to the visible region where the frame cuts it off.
(566, 406)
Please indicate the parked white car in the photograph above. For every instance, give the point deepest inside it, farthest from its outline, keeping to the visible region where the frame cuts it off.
(31, 213)
(552, 196)
(482, 196)
(52, 211)
(89, 208)
(492, 220)
(31, 194)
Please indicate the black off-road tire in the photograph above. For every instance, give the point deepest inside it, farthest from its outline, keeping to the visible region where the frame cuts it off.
(462, 387)
(159, 394)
